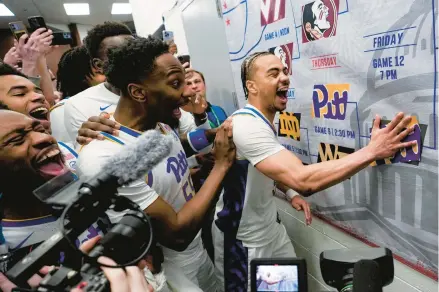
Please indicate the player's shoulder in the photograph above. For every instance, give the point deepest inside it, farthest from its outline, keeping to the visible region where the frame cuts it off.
(57, 106)
(91, 157)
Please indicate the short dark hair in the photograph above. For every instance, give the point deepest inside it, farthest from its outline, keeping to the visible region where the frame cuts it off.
(6, 69)
(73, 69)
(133, 61)
(247, 68)
(97, 34)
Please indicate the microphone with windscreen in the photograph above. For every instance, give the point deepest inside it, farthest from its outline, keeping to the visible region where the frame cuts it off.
(367, 277)
(85, 200)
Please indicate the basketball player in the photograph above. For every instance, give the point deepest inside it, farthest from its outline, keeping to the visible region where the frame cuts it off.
(246, 225)
(152, 86)
(19, 94)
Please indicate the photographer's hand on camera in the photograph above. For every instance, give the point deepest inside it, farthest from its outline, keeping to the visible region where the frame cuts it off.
(130, 279)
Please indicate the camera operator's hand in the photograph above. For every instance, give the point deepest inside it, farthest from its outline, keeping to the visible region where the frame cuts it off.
(224, 149)
(132, 279)
(92, 128)
(12, 57)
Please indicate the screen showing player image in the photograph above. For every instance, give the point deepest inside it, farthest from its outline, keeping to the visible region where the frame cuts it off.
(277, 278)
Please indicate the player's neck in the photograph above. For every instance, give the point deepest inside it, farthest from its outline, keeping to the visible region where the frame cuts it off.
(268, 113)
(111, 88)
(133, 115)
(17, 208)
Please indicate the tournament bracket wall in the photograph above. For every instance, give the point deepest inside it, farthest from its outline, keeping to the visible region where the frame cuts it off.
(350, 60)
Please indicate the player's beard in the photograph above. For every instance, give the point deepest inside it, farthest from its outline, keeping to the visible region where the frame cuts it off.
(171, 121)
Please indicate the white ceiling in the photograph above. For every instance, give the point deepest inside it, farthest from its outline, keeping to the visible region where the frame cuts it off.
(53, 11)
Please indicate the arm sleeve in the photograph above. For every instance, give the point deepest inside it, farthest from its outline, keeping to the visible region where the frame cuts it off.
(90, 164)
(198, 141)
(254, 140)
(187, 123)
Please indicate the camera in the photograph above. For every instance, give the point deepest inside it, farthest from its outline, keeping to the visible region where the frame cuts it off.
(360, 269)
(80, 203)
(283, 274)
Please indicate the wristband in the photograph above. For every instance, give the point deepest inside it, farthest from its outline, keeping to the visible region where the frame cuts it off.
(197, 140)
(291, 194)
(192, 162)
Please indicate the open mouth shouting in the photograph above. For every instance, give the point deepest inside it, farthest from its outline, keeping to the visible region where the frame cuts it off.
(50, 162)
(41, 113)
(282, 94)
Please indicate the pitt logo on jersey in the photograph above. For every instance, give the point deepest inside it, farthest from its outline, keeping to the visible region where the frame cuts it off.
(330, 101)
(289, 125)
(332, 152)
(272, 11)
(177, 165)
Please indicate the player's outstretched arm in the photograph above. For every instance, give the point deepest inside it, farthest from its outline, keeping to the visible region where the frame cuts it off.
(286, 168)
(177, 230)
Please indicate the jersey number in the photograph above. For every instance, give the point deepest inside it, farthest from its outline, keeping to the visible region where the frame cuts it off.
(188, 190)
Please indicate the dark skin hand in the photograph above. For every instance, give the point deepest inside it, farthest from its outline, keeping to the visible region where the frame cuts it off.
(92, 128)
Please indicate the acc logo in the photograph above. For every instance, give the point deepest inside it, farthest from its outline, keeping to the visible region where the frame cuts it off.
(285, 54)
(272, 11)
(319, 20)
(332, 152)
(330, 101)
(289, 125)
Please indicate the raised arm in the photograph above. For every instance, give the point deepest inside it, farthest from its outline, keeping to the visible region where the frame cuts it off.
(286, 168)
(177, 230)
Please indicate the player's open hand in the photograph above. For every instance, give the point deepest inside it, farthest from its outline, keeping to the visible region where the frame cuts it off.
(300, 204)
(92, 128)
(224, 149)
(385, 142)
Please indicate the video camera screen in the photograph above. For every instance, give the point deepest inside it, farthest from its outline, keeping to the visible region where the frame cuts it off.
(277, 278)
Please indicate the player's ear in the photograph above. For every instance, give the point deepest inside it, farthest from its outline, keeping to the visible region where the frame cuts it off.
(137, 92)
(251, 86)
(98, 65)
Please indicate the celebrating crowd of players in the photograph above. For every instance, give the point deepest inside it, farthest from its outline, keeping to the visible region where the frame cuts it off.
(114, 88)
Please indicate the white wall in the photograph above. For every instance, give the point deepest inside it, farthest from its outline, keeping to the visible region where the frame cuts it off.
(63, 27)
(310, 241)
(83, 29)
(174, 22)
(147, 14)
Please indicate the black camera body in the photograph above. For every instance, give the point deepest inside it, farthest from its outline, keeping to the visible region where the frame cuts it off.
(338, 268)
(82, 202)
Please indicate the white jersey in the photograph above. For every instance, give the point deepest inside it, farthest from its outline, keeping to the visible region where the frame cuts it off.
(170, 179)
(90, 102)
(246, 210)
(59, 130)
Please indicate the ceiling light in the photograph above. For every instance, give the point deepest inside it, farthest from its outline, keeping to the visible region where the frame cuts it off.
(4, 11)
(77, 8)
(121, 8)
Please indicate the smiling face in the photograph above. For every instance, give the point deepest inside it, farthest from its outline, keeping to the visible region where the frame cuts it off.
(164, 88)
(269, 83)
(27, 152)
(21, 95)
